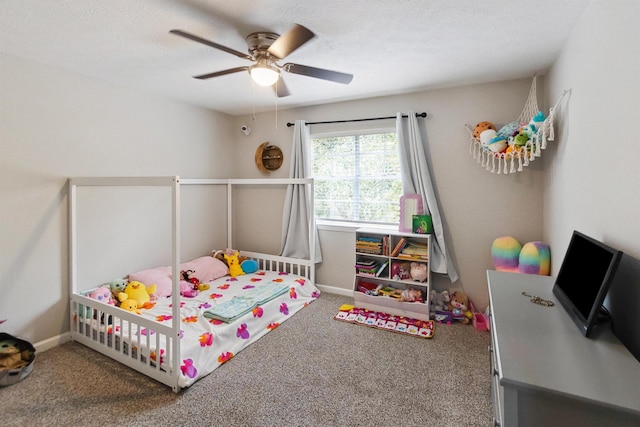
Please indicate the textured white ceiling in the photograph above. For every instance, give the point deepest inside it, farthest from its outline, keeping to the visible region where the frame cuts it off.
(391, 46)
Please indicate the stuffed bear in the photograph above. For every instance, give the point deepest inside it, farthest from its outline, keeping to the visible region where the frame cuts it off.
(459, 306)
(439, 300)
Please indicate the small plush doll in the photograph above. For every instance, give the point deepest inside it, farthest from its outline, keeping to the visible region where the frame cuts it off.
(459, 306)
(189, 284)
(407, 295)
(102, 294)
(116, 287)
(439, 300)
(234, 264)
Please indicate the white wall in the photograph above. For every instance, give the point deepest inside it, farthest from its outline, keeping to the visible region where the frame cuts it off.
(55, 124)
(476, 206)
(593, 174)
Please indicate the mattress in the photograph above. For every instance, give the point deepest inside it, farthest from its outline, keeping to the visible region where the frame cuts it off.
(206, 342)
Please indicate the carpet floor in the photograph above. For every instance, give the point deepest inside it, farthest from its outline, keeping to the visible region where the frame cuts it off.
(310, 371)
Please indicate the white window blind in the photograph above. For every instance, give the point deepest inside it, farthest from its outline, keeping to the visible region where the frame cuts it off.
(357, 177)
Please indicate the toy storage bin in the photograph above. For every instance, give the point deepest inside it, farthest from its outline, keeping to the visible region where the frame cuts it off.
(28, 352)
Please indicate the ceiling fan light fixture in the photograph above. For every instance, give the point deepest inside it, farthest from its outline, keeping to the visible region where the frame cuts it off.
(264, 74)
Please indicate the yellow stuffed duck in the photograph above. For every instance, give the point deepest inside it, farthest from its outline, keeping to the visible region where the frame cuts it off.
(233, 261)
(138, 292)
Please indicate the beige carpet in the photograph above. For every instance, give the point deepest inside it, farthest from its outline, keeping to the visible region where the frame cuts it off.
(311, 371)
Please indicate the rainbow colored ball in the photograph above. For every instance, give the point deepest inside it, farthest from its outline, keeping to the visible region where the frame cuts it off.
(505, 253)
(535, 258)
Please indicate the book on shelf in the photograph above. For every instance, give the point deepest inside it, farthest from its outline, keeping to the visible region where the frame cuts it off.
(399, 246)
(373, 270)
(382, 267)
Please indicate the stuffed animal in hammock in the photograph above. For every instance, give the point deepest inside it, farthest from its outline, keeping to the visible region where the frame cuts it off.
(233, 262)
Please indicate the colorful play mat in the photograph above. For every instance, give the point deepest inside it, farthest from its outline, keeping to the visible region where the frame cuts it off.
(386, 322)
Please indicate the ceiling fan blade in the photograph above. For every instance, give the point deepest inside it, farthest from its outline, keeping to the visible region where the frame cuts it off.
(211, 44)
(290, 41)
(221, 73)
(319, 73)
(281, 88)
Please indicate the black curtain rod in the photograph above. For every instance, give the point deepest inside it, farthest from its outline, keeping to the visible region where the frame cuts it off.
(423, 115)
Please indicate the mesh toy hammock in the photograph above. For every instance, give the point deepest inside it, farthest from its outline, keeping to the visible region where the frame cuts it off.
(505, 162)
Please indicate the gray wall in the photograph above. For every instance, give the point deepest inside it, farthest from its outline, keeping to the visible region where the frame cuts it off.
(592, 180)
(477, 206)
(55, 124)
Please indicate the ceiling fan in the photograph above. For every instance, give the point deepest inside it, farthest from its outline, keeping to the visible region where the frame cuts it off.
(265, 50)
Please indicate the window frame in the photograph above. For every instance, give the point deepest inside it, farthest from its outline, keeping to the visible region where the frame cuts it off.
(340, 224)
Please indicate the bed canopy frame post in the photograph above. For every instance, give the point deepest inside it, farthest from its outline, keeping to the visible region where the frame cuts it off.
(163, 181)
(175, 269)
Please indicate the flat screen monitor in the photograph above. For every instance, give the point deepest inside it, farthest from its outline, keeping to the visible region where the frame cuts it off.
(584, 278)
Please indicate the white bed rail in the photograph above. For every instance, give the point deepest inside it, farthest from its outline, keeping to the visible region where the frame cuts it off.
(276, 263)
(139, 343)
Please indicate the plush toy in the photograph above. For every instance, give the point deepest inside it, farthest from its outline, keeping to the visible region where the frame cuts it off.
(418, 271)
(249, 266)
(538, 120)
(408, 295)
(509, 130)
(534, 258)
(504, 253)
(481, 127)
(234, 264)
(139, 293)
(116, 287)
(11, 357)
(487, 136)
(520, 139)
(130, 305)
(102, 294)
(439, 301)
(459, 306)
(509, 254)
(497, 144)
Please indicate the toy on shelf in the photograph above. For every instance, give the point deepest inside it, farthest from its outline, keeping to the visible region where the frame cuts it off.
(418, 271)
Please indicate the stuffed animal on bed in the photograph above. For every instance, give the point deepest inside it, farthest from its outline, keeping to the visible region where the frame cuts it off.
(139, 293)
(116, 287)
(102, 294)
(234, 264)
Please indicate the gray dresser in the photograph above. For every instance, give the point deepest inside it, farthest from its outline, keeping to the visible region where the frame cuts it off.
(545, 372)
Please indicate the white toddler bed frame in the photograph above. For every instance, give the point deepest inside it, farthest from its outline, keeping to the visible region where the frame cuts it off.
(113, 344)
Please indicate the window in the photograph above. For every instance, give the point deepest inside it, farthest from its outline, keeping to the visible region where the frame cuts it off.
(357, 177)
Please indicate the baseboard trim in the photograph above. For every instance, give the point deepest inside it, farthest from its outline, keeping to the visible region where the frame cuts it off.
(335, 290)
(52, 342)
